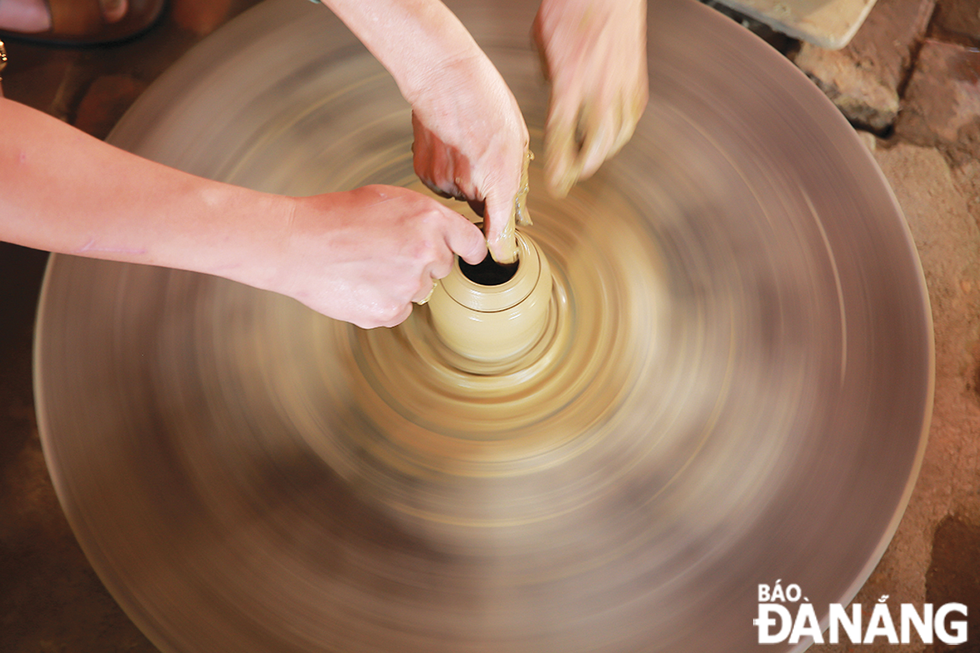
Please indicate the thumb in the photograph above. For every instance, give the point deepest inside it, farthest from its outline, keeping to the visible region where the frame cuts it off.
(464, 238)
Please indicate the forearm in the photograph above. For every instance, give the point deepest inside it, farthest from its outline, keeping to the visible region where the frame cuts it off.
(417, 41)
(64, 191)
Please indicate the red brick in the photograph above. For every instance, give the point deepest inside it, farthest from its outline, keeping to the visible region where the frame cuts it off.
(941, 106)
(863, 78)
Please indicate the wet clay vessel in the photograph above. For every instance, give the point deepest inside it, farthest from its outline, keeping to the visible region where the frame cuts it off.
(494, 322)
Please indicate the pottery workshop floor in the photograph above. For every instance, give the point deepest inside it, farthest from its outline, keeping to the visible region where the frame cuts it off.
(910, 80)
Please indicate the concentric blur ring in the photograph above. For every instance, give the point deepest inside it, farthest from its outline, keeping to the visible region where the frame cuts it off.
(742, 395)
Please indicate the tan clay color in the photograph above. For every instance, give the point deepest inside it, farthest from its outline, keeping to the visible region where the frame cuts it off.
(495, 323)
(507, 251)
(716, 371)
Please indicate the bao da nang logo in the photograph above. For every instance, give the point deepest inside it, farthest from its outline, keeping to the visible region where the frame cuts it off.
(785, 615)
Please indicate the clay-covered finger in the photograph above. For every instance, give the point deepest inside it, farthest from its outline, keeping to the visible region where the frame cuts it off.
(599, 131)
(632, 109)
(506, 207)
(499, 228)
(561, 149)
(521, 214)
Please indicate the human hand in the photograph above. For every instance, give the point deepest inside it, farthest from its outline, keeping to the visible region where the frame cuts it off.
(362, 256)
(471, 143)
(365, 255)
(594, 54)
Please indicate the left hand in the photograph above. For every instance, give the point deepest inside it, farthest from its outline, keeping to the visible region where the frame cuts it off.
(365, 255)
(595, 55)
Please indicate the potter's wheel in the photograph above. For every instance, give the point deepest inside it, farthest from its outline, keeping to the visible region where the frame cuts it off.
(741, 393)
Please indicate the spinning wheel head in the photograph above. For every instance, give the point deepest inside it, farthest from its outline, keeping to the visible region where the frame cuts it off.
(731, 385)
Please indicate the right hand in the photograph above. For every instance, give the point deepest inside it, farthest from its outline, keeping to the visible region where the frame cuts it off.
(365, 255)
(471, 143)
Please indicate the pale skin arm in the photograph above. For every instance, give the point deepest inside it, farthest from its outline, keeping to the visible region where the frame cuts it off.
(470, 137)
(361, 256)
(595, 55)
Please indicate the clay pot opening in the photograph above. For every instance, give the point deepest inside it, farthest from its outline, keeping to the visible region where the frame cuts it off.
(488, 272)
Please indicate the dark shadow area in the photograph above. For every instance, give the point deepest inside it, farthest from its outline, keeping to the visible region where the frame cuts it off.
(954, 576)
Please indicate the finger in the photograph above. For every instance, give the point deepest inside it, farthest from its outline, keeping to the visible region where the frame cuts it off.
(631, 112)
(608, 130)
(440, 267)
(560, 146)
(450, 188)
(427, 287)
(521, 214)
(382, 319)
(500, 229)
(600, 132)
(465, 239)
(622, 138)
(430, 167)
(432, 163)
(505, 202)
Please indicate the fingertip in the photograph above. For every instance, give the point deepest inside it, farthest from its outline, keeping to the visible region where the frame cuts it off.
(467, 241)
(631, 118)
(499, 227)
(560, 160)
(560, 177)
(502, 252)
(553, 168)
(596, 149)
(477, 250)
(622, 138)
(476, 256)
